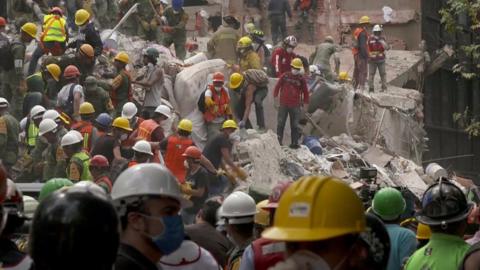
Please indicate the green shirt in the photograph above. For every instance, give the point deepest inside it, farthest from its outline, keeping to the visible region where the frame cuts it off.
(9, 129)
(443, 251)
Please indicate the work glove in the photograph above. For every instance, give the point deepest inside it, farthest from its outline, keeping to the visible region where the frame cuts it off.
(145, 25)
(209, 102)
(241, 173)
(167, 29)
(186, 189)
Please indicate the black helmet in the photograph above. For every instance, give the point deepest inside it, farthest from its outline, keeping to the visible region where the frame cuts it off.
(74, 229)
(377, 241)
(443, 203)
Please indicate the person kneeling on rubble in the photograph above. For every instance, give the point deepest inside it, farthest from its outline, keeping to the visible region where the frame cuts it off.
(252, 88)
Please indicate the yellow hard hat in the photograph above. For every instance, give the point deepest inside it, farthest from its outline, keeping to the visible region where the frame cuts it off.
(81, 17)
(244, 42)
(316, 208)
(343, 76)
(122, 57)
(185, 125)
(364, 19)
(423, 232)
(229, 124)
(86, 108)
(262, 217)
(55, 71)
(235, 80)
(30, 29)
(297, 63)
(121, 122)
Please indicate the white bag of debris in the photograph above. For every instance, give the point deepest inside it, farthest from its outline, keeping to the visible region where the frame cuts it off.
(197, 58)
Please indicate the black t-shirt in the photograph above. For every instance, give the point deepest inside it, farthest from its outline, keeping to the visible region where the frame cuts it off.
(213, 149)
(210, 239)
(198, 180)
(129, 258)
(104, 146)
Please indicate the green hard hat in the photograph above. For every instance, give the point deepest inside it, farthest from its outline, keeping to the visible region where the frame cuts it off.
(53, 185)
(35, 83)
(388, 203)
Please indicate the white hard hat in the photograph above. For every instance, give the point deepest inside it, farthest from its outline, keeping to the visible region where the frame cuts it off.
(50, 114)
(77, 134)
(3, 102)
(46, 125)
(36, 110)
(377, 28)
(189, 256)
(165, 2)
(29, 206)
(143, 147)
(220, 219)
(165, 110)
(239, 208)
(129, 110)
(23, 124)
(69, 139)
(147, 179)
(313, 69)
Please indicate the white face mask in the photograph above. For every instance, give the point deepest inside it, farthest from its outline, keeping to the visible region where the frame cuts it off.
(217, 88)
(176, 12)
(295, 71)
(185, 164)
(289, 50)
(123, 137)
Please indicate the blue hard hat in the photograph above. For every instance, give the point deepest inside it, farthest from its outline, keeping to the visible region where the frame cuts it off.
(177, 4)
(104, 119)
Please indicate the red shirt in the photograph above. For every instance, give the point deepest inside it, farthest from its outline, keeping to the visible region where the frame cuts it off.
(281, 60)
(292, 89)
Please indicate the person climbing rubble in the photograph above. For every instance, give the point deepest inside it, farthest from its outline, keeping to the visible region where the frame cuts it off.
(87, 33)
(283, 55)
(306, 16)
(224, 41)
(322, 55)
(360, 53)
(121, 86)
(291, 95)
(377, 46)
(175, 31)
(248, 58)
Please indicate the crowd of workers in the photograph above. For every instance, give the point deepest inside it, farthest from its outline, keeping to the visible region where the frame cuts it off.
(125, 185)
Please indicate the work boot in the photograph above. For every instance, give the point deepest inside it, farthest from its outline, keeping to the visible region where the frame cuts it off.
(294, 146)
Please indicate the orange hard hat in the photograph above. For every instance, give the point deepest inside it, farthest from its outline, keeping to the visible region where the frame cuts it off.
(3, 22)
(218, 77)
(71, 71)
(87, 50)
(192, 152)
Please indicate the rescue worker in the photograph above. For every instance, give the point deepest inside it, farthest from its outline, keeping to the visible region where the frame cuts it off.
(423, 235)
(109, 145)
(377, 46)
(282, 56)
(60, 119)
(83, 59)
(322, 55)
(278, 22)
(53, 185)
(35, 146)
(148, 201)
(103, 123)
(14, 86)
(100, 170)
(130, 111)
(318, 238)
(223, 43)
(388, 204)
(55, 164)
(248, 58)
(78, 160)
(152, 82)
(151, 130)
(217, 105)
(307, 10)
(291, 94)
(51, 76)
(121, 91)
(87, 216)
(99, 98)
(9, 130)
(85, 125)
(252, 87)
(71, 95)
(175, 31)
(87, 33)
(259, 46)
(445, 209)
(142, 153)
(238, 211)
(360, 53)
(34, 95)
(173, 148)
(265, 253)
(53, 38)
(13, 218)
(33, 121)
(343, 77)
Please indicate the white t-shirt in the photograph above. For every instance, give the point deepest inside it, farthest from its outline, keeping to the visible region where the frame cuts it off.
(62, 96)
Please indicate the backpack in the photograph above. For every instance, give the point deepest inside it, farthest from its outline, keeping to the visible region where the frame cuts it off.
(68, 107)
(257, 77)
(6, 57)
(201, 102)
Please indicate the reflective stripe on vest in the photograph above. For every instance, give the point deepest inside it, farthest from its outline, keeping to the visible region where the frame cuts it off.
(32, 134)
(84, 159)
(220, 108)
(376, 50)
(86, 129)
(146, 129)
(132, 163)
(356, 34)
(267, 253)
(176, 146)
(53, 28)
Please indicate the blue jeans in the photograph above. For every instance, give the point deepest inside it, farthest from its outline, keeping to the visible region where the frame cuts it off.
(283, 113)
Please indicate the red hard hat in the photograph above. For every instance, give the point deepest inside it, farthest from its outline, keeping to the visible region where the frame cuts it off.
(56, 10)
(218, 77)
(71, 71)
(3, 22)
(277, 193)
(192, 152)
(99, 161)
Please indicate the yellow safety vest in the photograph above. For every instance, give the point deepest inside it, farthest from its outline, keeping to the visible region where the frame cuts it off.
(54, 28)
(78, 174)
(32, 134)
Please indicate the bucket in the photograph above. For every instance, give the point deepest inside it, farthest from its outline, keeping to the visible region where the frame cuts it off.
(436, 171)
(313, 144)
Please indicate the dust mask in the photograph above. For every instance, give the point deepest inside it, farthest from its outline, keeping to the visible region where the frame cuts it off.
(295, 71)
(289, 50)
(185, 164)
(123, 137)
